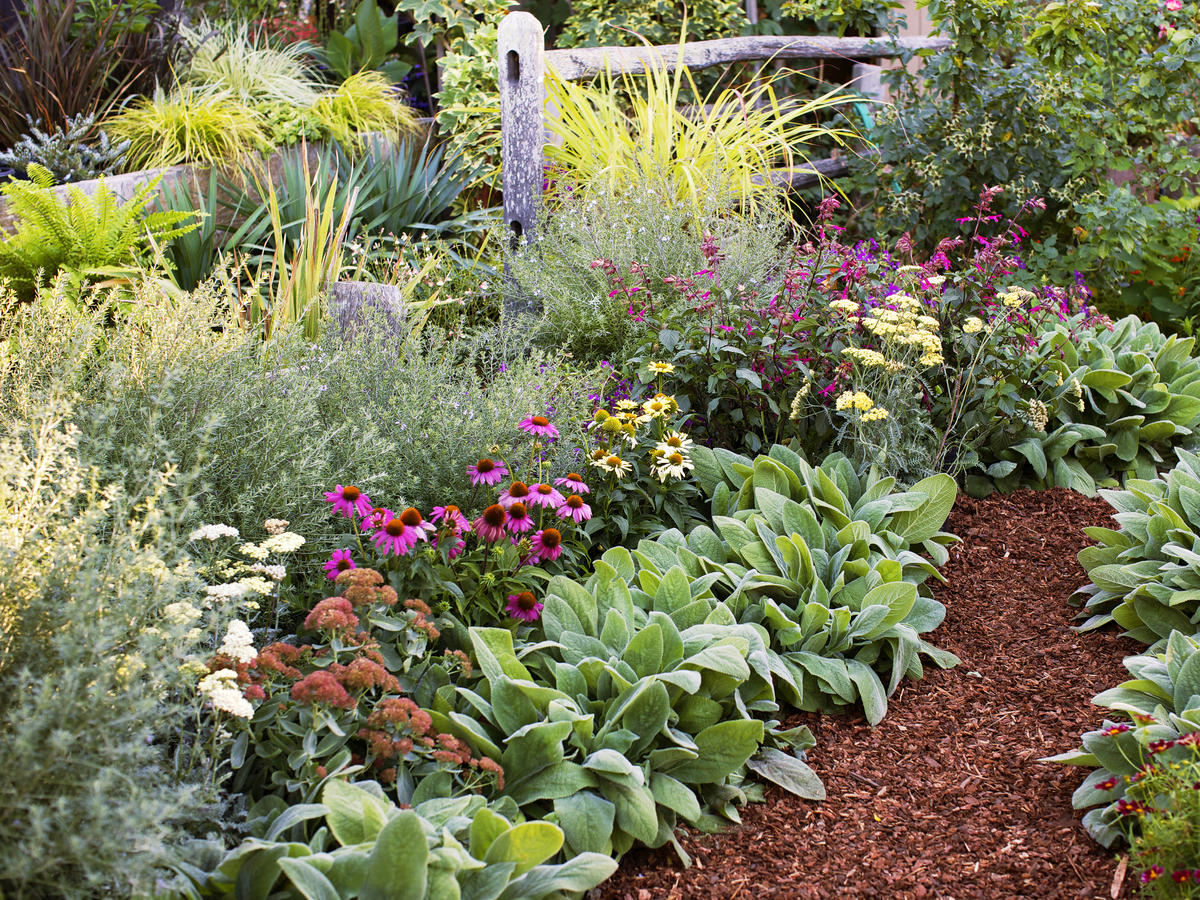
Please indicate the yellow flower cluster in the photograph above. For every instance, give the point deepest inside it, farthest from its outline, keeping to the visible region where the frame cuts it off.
(1037, 415)
(865, 357)
(854, 400)
(846, 306)
(907, 326)
(973, 325)
(875, 415)
(1014, 296)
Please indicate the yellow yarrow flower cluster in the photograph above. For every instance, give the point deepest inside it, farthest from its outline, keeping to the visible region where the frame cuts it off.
(875, 415)
(973, 325)
(865, 357)
(854, 400)
(1014, 296)
(846, 306)
(907, 326)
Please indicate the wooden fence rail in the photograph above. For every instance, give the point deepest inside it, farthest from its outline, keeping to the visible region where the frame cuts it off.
(523, 61)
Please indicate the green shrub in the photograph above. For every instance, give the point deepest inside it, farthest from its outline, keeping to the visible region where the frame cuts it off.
(647, 227)
(88, 237)
(1162, 705)
(608, 23)
(267, 426)
(92, 694)
(75, 152)
(1144, 574)
(370, 848)
(1166, 846)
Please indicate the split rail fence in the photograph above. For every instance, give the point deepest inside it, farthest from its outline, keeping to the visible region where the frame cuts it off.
(524, 60)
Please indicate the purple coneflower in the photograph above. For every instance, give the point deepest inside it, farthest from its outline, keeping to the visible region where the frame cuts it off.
(490, 524)
(574, 508)
(452, 516)
(523, 606)
(573, 482)
(392, 535)
(416, 528)
(519, 520)
(487, 471)
(547, 545)
(348, 500)
(453, 549)
(517, 492)
(545, 495)
(339, 562)
(539, 426)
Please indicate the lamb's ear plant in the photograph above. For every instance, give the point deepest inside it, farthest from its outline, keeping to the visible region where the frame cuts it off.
(1145, 574)
(367, 847)
(1161, 706)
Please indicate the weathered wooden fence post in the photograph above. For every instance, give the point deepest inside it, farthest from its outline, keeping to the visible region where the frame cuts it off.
(522, 134)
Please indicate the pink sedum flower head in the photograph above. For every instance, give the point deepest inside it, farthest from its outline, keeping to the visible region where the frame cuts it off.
(517, 492)
(574, 483)
(487, 471)
(519, 519)
(545, 495)
(538, 426)
(524, 606)
(451, 517)
(349, 501)
(338, 563)
(547, 545)
(491, 522)
(574, 508)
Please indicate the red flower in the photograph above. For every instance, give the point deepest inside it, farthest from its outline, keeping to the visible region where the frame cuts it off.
(1107, 784)
(332, 614)
(322, 687)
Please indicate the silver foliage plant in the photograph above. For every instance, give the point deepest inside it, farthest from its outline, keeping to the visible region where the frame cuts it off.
(75, 152)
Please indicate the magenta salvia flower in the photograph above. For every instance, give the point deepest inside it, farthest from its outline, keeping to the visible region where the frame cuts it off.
(539, 426)
(573, 482)
(339, 562)
(545, 495)
(574, 508)
(519, 520)
(348, 501)
(547, 545)
(491, 522)
(524, 606)
(517, 492)
(487, 471)
(452, 516)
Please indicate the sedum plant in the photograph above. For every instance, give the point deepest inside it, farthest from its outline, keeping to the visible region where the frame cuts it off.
(370, 849)
(76, 152)
(1144, 574)
(1161, 704)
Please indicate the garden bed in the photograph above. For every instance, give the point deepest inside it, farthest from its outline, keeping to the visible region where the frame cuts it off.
(946, 797)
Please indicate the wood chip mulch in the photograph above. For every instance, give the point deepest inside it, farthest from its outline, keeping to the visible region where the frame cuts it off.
(946, 797)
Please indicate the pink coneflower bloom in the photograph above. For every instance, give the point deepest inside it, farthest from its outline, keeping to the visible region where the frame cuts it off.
(348, 501)
(545, 495)
(487, 471)
(417, 528)
(393, 536)
(339, 562)
(519, 520)
(376, 518)
(539, 426)
(523, 606)
(547, 545)
(452, 516)
(574, 508)
(490, 524)
(573, 481)
(517, 492)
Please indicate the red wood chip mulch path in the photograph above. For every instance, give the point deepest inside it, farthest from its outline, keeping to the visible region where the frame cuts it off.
(946, 797)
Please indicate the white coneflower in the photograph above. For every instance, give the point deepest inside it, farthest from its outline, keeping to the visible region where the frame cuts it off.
(672, 465)
(213, 533)
(239, 643)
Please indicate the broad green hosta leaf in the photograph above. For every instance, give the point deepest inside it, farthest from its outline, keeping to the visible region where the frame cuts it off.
(1161, 703)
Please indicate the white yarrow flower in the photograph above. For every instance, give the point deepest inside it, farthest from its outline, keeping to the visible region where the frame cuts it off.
(239, 643)
(213, 533)
(284, 542)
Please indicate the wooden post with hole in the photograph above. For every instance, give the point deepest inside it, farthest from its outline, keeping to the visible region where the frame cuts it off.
(522, 97)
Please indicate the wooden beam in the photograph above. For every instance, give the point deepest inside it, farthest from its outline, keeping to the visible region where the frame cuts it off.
(584, 62)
